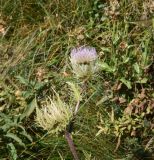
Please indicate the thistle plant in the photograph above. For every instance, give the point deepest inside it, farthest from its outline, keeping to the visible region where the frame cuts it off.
(83, 60)
(54, 116)
(57, 116)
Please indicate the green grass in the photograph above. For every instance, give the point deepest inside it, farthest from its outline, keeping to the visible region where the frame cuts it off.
(34, 60)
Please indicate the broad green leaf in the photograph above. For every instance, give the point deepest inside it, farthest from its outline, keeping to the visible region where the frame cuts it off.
(129, 127)
(104, 66)
(29, 109)
(126, 82)
(106, 49)
(126, 59)
(143, 80)
(12, 150)
(136, 67)
(39, 85)
(16, 138)
(23, 80)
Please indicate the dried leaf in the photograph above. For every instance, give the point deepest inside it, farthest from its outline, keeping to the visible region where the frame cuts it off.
(122, 100)
(128, 110)
(133, 133)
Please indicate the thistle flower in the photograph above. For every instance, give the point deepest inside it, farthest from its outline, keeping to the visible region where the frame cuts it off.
(82, 60)
(83, 55)
(54, 116)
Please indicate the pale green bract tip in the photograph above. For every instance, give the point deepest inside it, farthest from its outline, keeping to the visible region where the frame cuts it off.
(54, 116)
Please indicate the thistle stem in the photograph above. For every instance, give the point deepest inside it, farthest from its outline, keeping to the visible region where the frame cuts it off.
(71, 145)
(68, 134)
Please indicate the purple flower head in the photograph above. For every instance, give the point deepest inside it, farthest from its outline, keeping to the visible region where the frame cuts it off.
(83, 54)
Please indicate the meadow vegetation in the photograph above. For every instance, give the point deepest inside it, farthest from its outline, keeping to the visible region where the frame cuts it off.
(116, 115)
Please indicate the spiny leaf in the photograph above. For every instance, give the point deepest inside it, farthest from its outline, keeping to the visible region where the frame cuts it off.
(30, 108)
(8, 125)
(13, 151)
(24, 133)
(23, 80)
(75, 90)
(15, 137)
(39, 85)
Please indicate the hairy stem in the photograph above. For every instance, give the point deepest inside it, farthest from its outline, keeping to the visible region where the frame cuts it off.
(68, 134)
(71, 145)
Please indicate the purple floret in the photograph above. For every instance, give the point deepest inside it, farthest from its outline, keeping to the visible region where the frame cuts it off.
(83, 54)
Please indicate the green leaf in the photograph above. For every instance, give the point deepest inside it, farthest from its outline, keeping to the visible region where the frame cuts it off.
(143, 80)
(104, 99)
(129, 127)
(116, 38)
(136, 67)
(27, 94)
(126, 59)
(29, 109)
(106, 67)
(12, 150)
(24, 133)
(126, 82)
(75, 90)
(106, 49)
(8, 125)
(23, 80)
(16, 138)
(39, 85)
